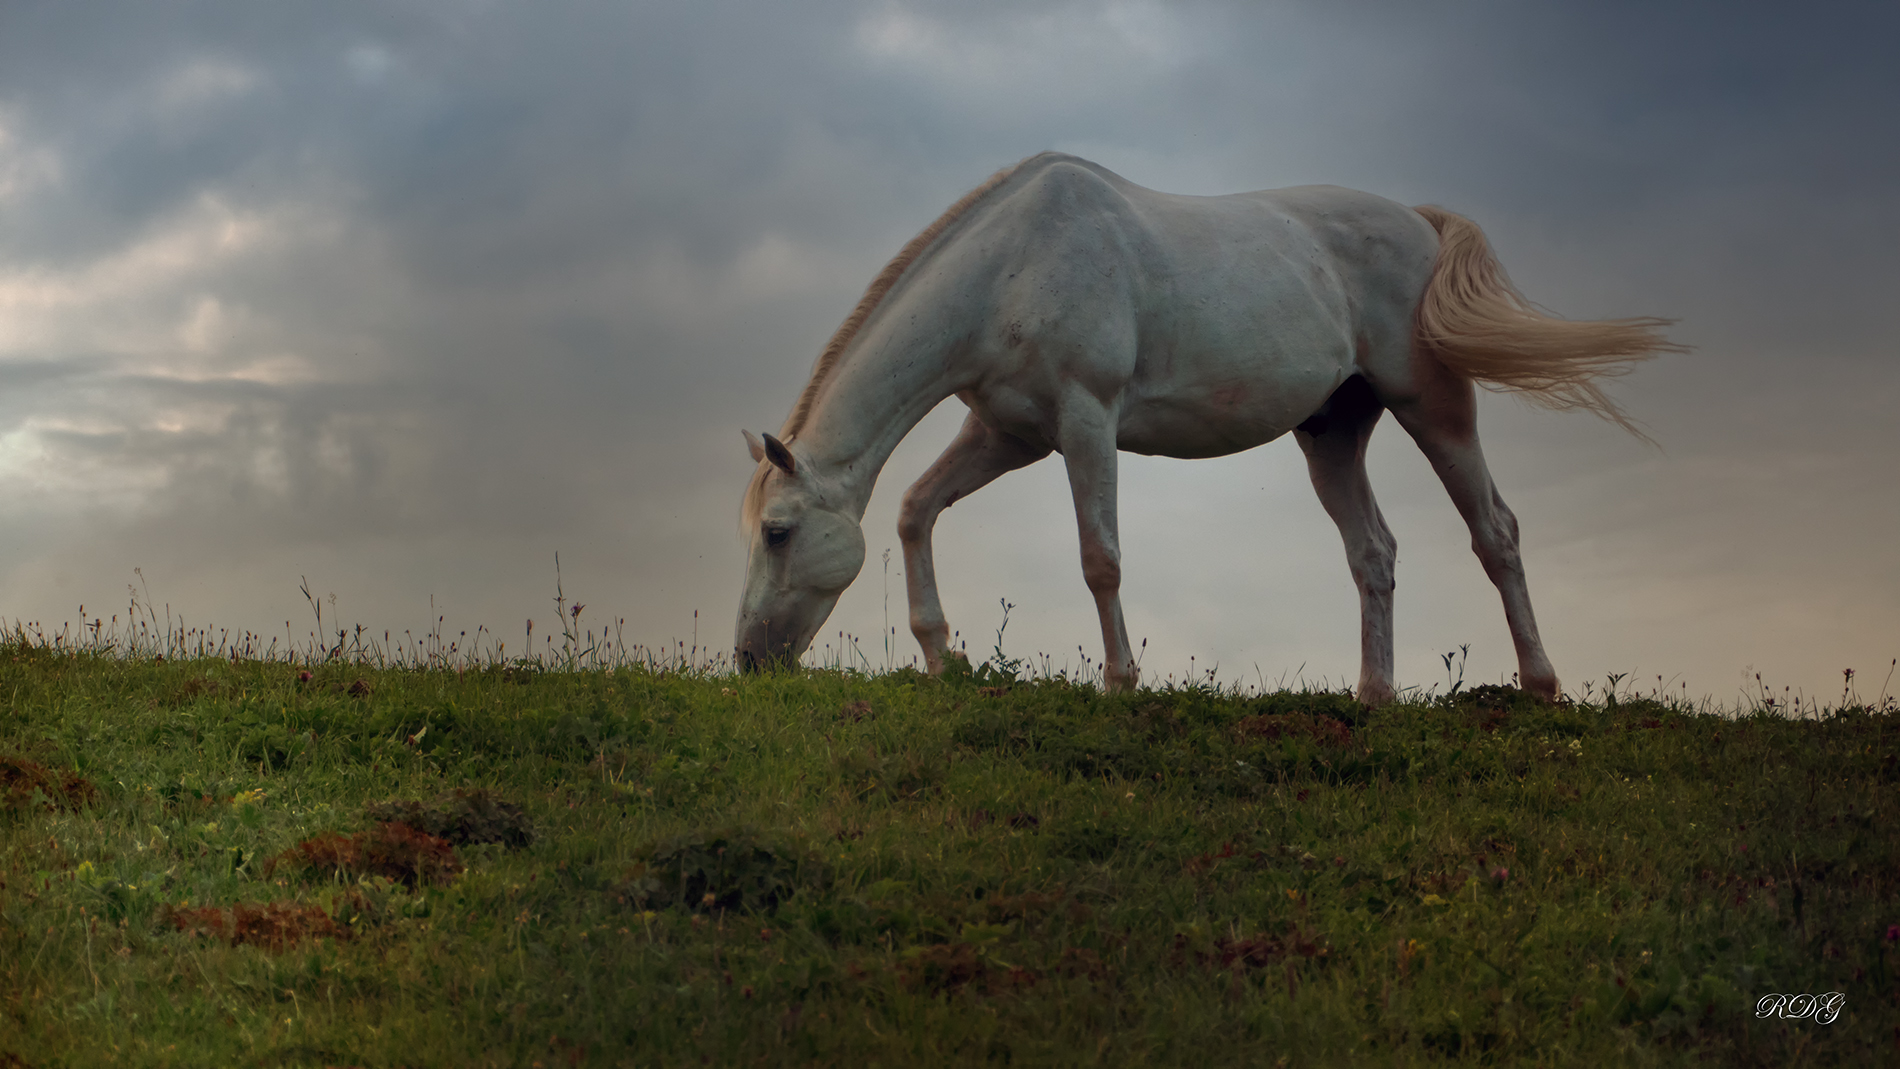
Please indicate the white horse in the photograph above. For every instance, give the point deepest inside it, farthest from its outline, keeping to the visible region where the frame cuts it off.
(1076, 312)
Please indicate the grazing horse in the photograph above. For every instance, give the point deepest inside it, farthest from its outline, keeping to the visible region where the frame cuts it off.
(1076, 312)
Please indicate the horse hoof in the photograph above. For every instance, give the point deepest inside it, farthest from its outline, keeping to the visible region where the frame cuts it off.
(1373, 695)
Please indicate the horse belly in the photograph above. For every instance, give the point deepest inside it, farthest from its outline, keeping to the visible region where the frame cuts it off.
(1194, 405)
(1227, 419)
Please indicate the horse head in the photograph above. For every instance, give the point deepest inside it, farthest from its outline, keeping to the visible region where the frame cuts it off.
(802, 550)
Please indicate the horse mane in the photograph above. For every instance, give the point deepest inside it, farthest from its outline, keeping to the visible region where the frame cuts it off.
(874, 293)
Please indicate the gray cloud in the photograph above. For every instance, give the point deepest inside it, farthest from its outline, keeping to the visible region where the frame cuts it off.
(408, 297)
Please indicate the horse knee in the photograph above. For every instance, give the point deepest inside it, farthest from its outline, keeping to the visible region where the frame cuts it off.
(1374, 561)
(915, 518)
(1375, 578)
(1102, 570)
(932, 633)
(1495, 541)
(924, 623)
(1375, 567)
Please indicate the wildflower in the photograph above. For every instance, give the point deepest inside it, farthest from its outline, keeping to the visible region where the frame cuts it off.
(252, 796)
(1893, 933)
(1500, 874)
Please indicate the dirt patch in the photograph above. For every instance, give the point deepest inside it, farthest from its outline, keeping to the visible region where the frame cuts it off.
(29, 785)
(275, 926)
(956, 966)
(392, 850)
(1253, 952)
(1321, 729)
(462, 817)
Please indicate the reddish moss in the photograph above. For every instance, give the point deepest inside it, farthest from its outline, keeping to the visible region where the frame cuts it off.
(392, 850)
(1321, 729)
(274, 926)
(20, 779)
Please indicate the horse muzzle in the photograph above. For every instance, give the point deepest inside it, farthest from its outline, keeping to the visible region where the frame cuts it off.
(757, 647)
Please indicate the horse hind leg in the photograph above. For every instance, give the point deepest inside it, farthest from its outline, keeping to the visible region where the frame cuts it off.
(1334, 442)
(973, 460)
(1441, 416)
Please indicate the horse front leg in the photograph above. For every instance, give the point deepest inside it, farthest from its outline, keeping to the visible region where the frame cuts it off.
(1087, 438)
(973, 460)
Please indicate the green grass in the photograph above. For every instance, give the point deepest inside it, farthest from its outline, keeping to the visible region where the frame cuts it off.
(921, 871)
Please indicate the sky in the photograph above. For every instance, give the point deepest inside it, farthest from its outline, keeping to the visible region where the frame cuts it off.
(402, 299)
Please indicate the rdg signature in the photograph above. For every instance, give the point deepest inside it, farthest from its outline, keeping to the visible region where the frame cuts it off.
(1823, 1008)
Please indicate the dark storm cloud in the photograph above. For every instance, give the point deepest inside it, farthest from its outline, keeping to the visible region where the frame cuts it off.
(419, 292)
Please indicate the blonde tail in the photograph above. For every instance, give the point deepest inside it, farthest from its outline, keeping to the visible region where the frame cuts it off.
(1481, 327)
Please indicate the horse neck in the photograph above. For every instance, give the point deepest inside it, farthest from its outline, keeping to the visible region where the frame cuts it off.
(900, 366)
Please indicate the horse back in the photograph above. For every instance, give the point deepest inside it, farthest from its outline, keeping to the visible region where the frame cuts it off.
(1214, 323)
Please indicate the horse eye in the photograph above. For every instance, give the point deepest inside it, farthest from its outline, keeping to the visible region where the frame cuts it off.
(777, 536)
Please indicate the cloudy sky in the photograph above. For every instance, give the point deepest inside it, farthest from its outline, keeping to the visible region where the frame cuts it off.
(408, 297)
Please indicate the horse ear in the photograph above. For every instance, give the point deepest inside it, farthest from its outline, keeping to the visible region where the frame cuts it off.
(776, 452)
(757, 448)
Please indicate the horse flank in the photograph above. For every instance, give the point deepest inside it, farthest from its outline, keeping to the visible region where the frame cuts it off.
(1478, 324)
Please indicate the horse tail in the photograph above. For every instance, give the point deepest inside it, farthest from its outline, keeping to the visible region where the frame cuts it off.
(1474, 320)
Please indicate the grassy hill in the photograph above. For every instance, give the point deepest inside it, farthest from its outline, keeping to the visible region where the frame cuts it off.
(222, 861)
